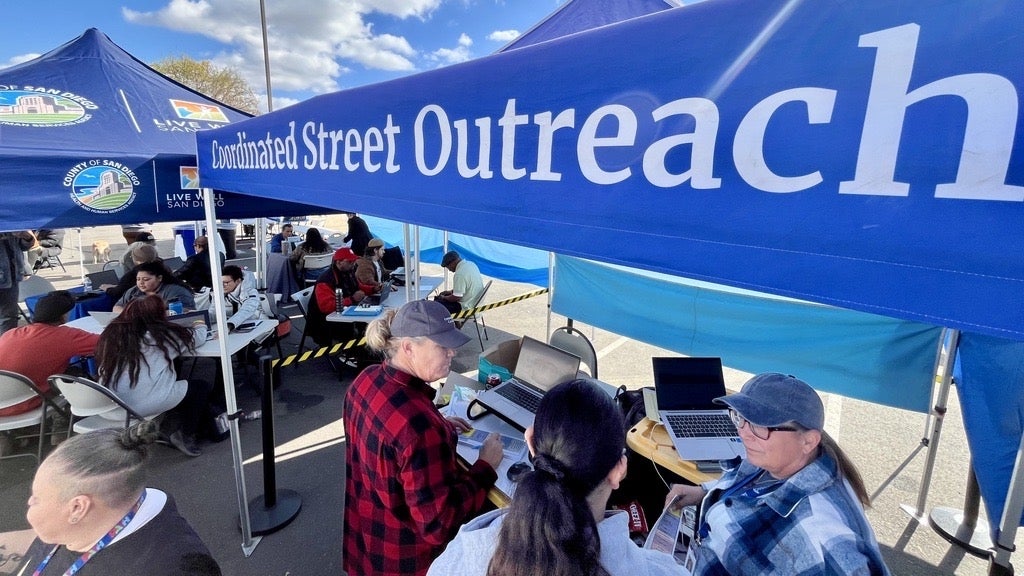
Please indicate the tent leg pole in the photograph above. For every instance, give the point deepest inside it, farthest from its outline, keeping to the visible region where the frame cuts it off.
(551, 290)
(999, 562)
(961, 527)
(943, 374)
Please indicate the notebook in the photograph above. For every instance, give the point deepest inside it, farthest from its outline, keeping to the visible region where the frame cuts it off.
(378, 299)
(699, 428)
(540, 367)
(102, 277)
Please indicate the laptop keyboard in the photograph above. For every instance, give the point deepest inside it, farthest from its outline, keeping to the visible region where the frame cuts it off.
(521, 397)
(701, 425)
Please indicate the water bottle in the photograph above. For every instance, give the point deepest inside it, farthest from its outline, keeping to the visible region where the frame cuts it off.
(175, 306)
(339, 300)
(87, 284)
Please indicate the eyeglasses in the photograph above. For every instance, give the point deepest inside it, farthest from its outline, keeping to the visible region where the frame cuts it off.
(762, 432)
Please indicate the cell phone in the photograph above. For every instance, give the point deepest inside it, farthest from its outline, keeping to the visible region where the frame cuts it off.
(247, 327)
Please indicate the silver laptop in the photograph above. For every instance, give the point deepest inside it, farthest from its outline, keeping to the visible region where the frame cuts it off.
(540, 368)
(378, 299)
(699, 428)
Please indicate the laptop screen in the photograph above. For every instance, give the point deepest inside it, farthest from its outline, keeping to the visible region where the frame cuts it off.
(189, 318)
(682, 383)
(545, 366)
(102, 277)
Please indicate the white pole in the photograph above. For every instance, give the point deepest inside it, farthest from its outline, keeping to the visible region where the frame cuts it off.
(248, 541)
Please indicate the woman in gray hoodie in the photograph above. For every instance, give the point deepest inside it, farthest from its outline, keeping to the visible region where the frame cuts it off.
(558, 524)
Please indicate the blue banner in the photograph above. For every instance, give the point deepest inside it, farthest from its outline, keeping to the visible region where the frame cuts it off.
(859, 154)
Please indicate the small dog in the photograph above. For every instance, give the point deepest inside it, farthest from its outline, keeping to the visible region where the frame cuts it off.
(100, 251)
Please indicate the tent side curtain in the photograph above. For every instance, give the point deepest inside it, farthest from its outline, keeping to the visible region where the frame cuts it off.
(860, 355)
(495, 259)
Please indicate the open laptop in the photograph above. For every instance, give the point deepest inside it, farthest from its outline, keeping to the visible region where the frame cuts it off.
(102, 277)
(174, 263)
(540, 367)
(699, 428)
(187, 319)
(378, 299)
(103, 318)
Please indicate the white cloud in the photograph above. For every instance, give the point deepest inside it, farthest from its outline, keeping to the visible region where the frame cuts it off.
(18, 60)
(446, 56)
(312, 43)
(503, 36)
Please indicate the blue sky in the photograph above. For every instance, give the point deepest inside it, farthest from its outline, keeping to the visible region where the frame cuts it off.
(317, 46)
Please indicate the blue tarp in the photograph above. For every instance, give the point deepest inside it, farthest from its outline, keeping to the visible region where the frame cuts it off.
(91, 136)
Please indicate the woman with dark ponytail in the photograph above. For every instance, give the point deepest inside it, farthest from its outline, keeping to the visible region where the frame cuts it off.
(557, 524)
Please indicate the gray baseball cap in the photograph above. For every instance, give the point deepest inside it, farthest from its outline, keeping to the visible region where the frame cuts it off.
(430, 319)
(773, 399)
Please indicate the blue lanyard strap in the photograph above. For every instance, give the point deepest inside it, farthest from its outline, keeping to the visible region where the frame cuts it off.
(77, 565)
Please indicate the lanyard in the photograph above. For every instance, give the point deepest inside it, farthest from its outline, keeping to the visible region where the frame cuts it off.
(77, 565)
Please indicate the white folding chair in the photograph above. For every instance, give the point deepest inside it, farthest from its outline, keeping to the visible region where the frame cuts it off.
(16, 388)
(97, 406)
(32, 286)
(302, 299)
(313, 265)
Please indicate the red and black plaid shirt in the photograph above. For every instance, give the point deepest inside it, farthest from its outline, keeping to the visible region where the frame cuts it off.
(405, 494)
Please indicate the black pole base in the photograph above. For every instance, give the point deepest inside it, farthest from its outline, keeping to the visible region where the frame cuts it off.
(264, 520)
(949, 523)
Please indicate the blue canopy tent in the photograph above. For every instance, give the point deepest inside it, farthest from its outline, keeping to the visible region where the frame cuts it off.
(862, 155)
(90, 136)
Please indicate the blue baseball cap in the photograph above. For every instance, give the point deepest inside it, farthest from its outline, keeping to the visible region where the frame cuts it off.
(774, 399)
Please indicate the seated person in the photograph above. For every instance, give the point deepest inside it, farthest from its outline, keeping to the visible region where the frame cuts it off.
(278, 239)
(44, 348)
(153, 278)
(195, 272)
(797, 492)
(340, 275)
(313, 245)
(578, 454)
(135, 358)
(241, 299)
(141, 239)
(466, 282)
(90, 490)
(369, 271)
(142, 252)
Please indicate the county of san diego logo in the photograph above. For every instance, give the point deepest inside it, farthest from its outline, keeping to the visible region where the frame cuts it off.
(42, 107)
(101, 186)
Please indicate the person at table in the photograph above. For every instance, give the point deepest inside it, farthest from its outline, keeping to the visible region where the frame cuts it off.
(135, 358)
(341, 276)
(313, 245)
(141, 239)
(358, 233)
(281, 237)
(90, 508)
(405, 493)
(467, 284)
(45, 347)
(12, 270)
(154, 279)
(241, 298)
(370, 273)
(142, 252)
(795, 505)
(195, 272)
(578, 452)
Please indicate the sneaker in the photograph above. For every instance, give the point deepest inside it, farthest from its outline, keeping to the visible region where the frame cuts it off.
(185, 444)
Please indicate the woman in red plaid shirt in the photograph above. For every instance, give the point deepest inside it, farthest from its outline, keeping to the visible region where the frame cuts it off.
(405, 495)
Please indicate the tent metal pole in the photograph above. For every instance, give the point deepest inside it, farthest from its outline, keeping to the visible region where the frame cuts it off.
(551, 289)
(81, 258)
(248, 541)
(411, 269)
(259, 245)
(999, 562)
(266, 56)
(943, 375)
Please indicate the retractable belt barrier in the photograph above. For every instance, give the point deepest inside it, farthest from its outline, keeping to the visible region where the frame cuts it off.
(341, 346)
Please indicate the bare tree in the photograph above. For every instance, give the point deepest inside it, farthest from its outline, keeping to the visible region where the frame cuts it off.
(223, 84)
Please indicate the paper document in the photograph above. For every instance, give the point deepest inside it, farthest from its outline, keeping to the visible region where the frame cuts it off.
(672, 532)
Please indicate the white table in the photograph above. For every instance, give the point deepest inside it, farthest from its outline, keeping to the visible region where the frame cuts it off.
(395, 300)
(209, 349)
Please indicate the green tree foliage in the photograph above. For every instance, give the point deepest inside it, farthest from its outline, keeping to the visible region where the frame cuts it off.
(223, 84)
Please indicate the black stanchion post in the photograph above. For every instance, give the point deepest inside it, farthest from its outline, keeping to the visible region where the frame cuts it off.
(275, 509)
